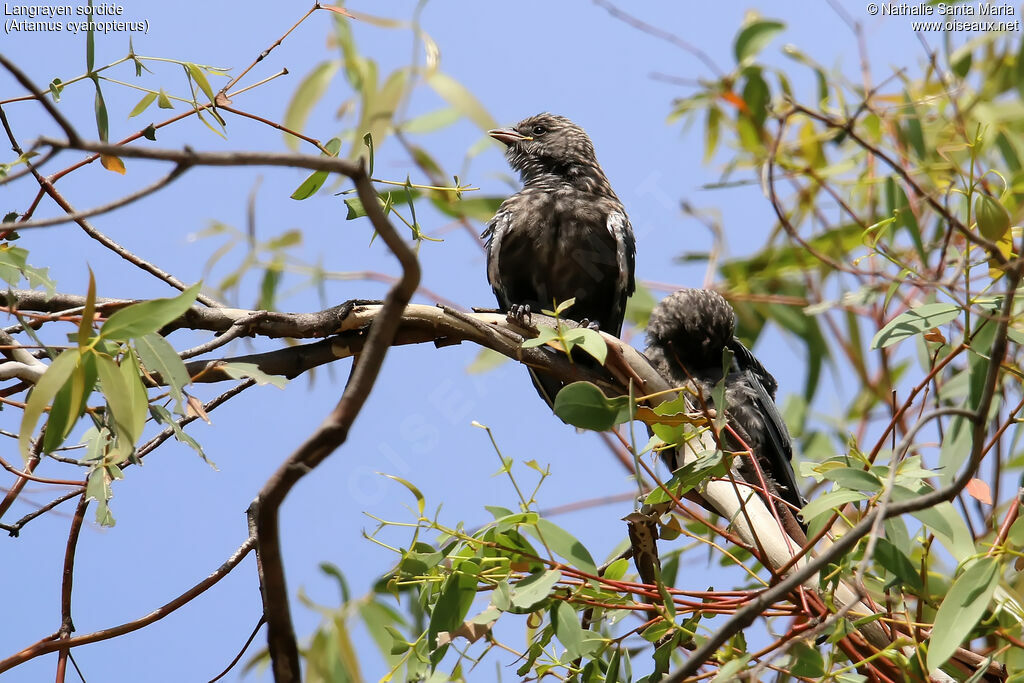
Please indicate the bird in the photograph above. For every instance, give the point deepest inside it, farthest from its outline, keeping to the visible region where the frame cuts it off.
(687, 334)
(564, 235)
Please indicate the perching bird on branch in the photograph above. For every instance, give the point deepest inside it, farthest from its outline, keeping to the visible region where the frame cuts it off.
(564, 235)
(686, 336)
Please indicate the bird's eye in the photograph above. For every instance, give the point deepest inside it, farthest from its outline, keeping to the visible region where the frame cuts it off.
(539, 130)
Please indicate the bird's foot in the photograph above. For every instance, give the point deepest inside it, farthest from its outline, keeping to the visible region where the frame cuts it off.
(520, 315)
(590, 324)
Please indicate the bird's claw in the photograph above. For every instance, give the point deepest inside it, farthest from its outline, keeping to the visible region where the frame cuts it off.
(590, 324)
(520, 314)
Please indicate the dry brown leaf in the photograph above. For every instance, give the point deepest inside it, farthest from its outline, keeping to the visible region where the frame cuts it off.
(980, 491)
(194, 408)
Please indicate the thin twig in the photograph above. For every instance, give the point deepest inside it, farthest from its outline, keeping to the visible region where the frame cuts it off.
(662, 34)
(47, 186)
(40, 97)
(248, 642)
(16, 528)
(106, 208)
(262, 55)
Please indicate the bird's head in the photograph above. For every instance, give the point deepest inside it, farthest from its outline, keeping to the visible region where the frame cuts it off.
(547, 144)
(692, 326)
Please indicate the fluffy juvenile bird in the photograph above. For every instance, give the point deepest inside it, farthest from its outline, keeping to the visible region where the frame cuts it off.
(564, 235)
(686, 335)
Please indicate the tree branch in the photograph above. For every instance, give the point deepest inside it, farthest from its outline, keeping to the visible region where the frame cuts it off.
(263, 512)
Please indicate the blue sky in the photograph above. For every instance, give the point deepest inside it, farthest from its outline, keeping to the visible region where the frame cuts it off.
(177, 518)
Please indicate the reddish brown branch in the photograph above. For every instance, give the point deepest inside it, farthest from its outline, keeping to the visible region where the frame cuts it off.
(67, 626)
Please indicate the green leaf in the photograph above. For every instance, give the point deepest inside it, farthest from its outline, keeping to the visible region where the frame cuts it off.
(143, 104)
(160, 358)
(943, 520)
(163, 416)
(612, 676)
(478, 208)
(992, 217)
(913, 322)
(146, 317)
(39, 277)
(57, 424)
(806, 661)
(955, 449)
(244, 370)
(56, 86)
(565, 545)
(756, 95)
(12, 264)
(88, 312)
(589, 340)
(200, 78)
(386, 200)
(70, 403)
(420, 500)
(567, 627)
(564, 306)
(98, 489)
(960, 60)
(833, 499)
(528, 594)
(379, 110)
(1007, 148)
(962, 608)
(855, 479)
(913, 132)
(136, 393)
(456, 94)
(305, 97)
(163, 101)
(44, 392)
(544, 335)
(120, 399)
(896, 562)
(712, 129)
(617, 569)
(431, 121)
(688, 476)
(754, 37)
(451, 608)
(583, 405)
(90, 44)
(316, 179)
(510, 521)
(268, 286)
(899, 207)
(101, 109)
(485, 361)
(368, 141)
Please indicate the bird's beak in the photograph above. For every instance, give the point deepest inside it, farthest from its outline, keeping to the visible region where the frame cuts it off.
(509, 136)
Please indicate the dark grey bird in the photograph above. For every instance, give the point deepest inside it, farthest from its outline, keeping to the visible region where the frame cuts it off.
(564, 235)
(686, 335)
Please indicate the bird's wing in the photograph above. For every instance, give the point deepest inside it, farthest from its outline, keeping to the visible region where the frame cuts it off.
(748, 361)
(492, 236)
(625, 253)
(779, 446)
